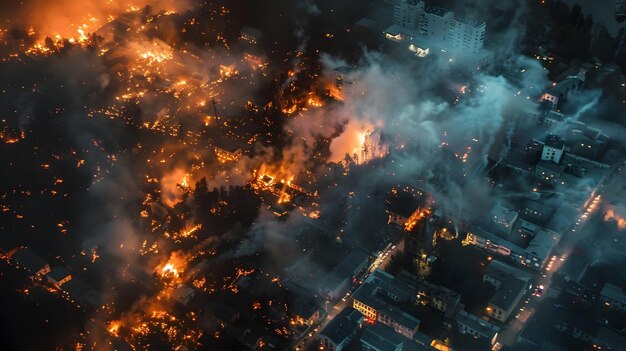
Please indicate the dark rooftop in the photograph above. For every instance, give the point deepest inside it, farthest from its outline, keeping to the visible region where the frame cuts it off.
(437, 11)
(401, 317)
(554, 141)
(506, 295)
(402, 203)
(575, 266)
(381, 337)
(342, 326)
(470, 21)
(29, 259)
(58, 273)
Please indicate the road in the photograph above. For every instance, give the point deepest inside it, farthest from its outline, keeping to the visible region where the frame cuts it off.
(508, 336)
(381, 260)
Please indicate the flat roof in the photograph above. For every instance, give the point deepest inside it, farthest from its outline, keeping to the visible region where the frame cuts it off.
(58, 273)
(390, 284)
(29, 259)
(474, 322)
(402, 203)
(341, 327)
(437, 11)
(550, 166)
(437, 290)
(470, 21)
(366, 294)
(353, 260)
(543, 242)
(555, 141)
(498, 267)
(401, 317)
(575, 265)
(564, 85)
(613, 292)
(507, 294)
(381, 337)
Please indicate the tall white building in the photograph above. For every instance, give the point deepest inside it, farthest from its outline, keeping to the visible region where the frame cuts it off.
(553, 149)
(467, 34)
(435, 23)
(406, 13)
(439, 26)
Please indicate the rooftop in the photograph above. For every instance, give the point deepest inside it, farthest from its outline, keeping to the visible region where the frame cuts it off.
(439, 291)
(58, 273)
(613, 292)
(508, 293)
(401, 317)
(29, 259)
(305, 307)
(437, 11)
(470, 21)
(502, 214)
(539, 325)
(611, 339)
(575, 266)
(542, 243)
(483, 327)
(367, 294)
(402, 203)
(349, 264)
(342, 326)
(564, 85)
(382, 338)
(550, 166)
(390, 284)
(554, 141)
(500, 270)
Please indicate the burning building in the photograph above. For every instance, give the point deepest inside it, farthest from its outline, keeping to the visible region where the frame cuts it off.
(29, 260)
(229, 153)
(406, 206)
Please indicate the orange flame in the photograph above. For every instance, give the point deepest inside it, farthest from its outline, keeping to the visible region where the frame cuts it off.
(612, 216)
(114, 328)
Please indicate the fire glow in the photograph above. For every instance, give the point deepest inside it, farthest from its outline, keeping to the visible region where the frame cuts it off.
(611, 215)
(359, 143)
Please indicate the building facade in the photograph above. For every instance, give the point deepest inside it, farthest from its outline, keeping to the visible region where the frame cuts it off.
(553, 149)
(414, 20)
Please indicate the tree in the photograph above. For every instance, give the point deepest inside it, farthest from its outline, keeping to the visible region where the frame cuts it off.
(603, 45)
(587, 24)
(575, 16)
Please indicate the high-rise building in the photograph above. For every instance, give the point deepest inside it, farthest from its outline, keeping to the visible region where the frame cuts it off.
(467, 34)
(553, 149)
(438, 26)
(406, 13)
(435, 24)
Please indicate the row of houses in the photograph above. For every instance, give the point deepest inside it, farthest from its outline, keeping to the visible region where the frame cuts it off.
(381, 296)
(58, 277)
(534, 255)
